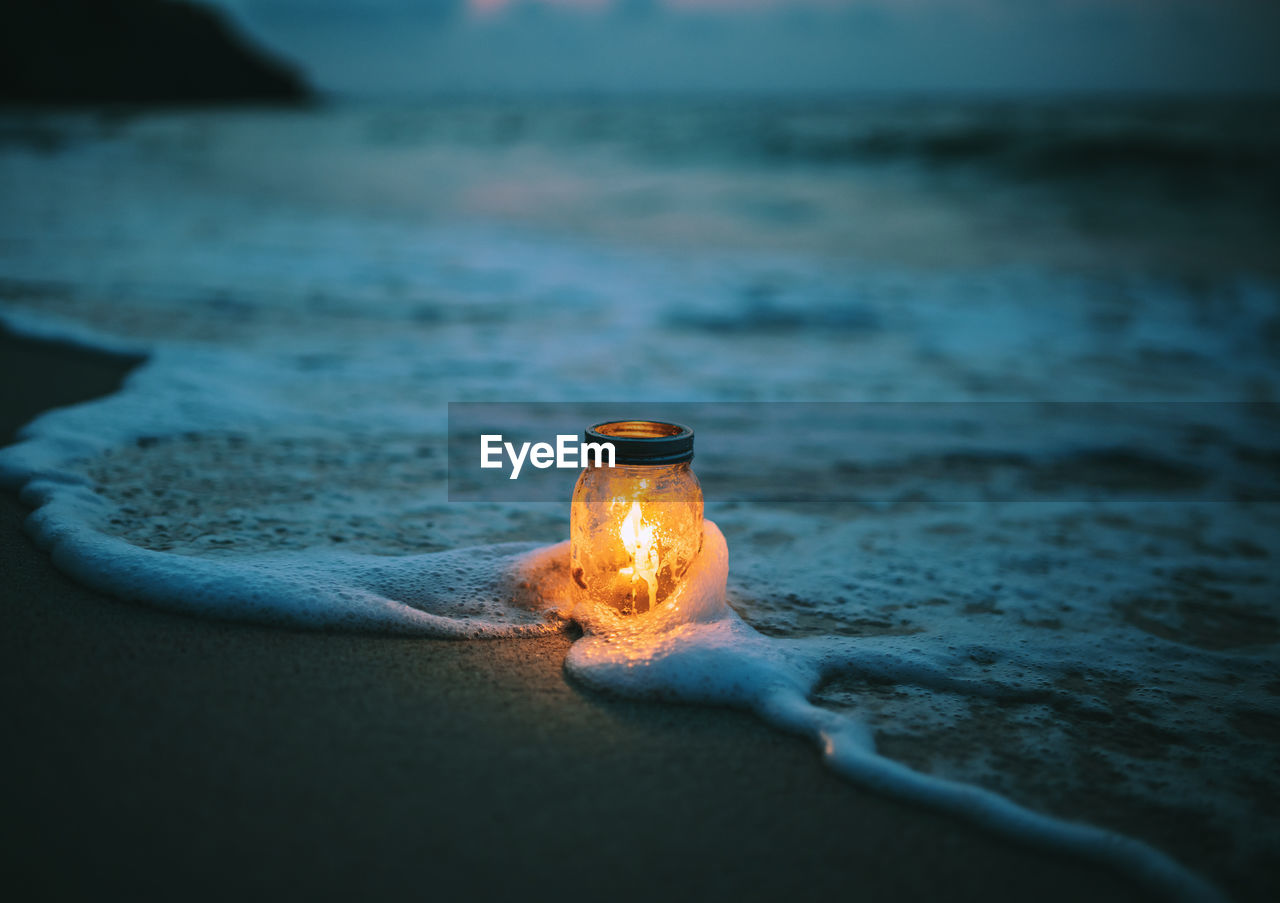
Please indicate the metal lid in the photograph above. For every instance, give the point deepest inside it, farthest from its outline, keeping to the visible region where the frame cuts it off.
(644, 441)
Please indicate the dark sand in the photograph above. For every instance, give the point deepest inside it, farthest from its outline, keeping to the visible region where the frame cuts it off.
(162, 756)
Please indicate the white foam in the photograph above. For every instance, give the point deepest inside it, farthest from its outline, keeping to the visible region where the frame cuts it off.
(695, 649)
(701, 651)
(457, 593)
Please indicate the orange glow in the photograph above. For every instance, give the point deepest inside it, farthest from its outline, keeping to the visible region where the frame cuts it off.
(636, 527)
(634, 532)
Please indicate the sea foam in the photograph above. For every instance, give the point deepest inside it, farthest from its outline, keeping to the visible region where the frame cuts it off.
(695, 649)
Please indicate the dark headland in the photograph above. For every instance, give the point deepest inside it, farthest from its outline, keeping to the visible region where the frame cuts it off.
(134, 52)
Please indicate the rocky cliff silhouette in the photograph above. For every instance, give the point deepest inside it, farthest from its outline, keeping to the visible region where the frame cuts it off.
(133, 52)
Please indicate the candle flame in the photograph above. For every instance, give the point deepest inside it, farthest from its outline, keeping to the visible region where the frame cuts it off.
(638, 537)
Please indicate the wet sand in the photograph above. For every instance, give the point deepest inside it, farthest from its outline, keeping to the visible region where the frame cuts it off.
(162, 756)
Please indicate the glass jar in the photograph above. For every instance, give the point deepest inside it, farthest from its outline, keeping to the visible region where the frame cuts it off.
(635, 528)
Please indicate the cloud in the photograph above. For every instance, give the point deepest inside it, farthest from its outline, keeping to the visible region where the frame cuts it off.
(513, 46)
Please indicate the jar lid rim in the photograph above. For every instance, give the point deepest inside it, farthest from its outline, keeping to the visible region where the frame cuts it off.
(671, 443)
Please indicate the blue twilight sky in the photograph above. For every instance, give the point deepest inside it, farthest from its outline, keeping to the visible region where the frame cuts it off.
(414, 47)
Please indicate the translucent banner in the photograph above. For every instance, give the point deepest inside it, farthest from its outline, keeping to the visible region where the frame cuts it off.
(892, 451)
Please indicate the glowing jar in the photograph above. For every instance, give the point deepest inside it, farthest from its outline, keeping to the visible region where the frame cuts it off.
(637, 526)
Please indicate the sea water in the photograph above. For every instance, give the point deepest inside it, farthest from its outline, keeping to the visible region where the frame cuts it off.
(309, 290)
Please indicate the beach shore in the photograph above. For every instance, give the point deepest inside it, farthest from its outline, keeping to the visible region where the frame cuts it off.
(163, 756)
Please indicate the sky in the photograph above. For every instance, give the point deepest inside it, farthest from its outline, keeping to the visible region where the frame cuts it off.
(405, 48)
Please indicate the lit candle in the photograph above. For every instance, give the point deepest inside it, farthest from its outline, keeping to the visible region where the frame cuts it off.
(637, 536)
